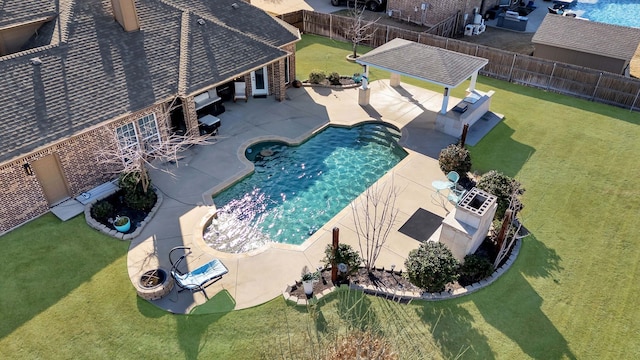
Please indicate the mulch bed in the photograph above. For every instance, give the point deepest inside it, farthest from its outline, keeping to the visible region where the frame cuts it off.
(135, 216)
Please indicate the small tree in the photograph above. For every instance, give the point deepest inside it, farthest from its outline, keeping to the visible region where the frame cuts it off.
(374, 214)
(455, 158)
(344, 254)
(503, 187)
(431, 266)
(359, 30)
(131, 157)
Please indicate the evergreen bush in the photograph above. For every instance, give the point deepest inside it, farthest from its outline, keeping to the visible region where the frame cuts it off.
(474, 269)
(317, 76)
(102, 210)
(502, 186)
(334, 78)
(455, 158)
(344, 254)
(431, 266)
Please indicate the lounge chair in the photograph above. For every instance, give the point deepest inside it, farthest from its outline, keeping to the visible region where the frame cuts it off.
(198, 279)
(240, 91)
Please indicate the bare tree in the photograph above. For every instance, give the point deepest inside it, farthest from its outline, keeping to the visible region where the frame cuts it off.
(374, 215)
(135, 155)
(359, 29)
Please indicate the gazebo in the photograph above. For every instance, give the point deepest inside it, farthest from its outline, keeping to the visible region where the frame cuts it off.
(439, 66)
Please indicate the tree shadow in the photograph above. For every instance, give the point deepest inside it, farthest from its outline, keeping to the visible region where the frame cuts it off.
(499, 147)
(542, 261)
(519, 316)
(192, 332)
(452, 328)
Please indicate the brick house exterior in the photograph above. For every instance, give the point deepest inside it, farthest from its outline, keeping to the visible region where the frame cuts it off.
(69, 85)
(436, 10)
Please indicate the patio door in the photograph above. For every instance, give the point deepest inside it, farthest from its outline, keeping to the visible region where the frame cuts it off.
(49, 174)
(259, 82)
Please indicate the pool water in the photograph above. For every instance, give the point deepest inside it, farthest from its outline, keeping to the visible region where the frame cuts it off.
(617, 12)
(295, 190)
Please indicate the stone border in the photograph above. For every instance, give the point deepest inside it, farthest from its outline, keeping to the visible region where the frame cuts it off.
(408, 296)
(306, 83)
(115, 233)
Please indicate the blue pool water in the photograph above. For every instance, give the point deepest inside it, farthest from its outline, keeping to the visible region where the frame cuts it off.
(294, 191)
(617, 12)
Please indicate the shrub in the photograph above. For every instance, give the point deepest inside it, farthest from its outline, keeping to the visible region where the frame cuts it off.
(334, 78)
(502, 186)
(102, 210)
(344, 254)
(317, 76)
(431, 266)
(474, 269)
(455, 158)
(134, 195)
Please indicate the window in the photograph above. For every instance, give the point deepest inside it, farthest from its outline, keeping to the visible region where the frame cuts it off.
(149, 129)
(127, 137)
(130, 136)
(286, 70)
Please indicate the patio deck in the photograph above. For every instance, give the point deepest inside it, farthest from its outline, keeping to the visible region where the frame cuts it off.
(257, 278)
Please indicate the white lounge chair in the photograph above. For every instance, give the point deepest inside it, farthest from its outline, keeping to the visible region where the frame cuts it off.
(240, 91)
(198, 279)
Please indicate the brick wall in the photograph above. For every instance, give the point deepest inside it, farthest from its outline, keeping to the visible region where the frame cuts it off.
(437, 10)
(23, 199)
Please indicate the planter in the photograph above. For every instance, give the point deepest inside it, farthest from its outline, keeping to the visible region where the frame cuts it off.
(124, 227)
(308, 286)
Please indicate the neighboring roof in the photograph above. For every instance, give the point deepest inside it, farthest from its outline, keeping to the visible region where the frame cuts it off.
(12, 12)
(99, 72)
(423, 62)
(619, 42)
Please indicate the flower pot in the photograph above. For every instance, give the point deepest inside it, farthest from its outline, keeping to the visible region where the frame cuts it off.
(124, 227)
(308, 286)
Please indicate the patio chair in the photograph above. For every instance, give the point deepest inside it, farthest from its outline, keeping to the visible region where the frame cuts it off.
(240, 91)
(453, 177)
(456, 195)
(198, 279)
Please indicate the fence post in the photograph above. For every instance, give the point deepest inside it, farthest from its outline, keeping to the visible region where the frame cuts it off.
(419, 38)
(634, 100)
(330, 26)
(446, 44)
(551, 76)
(513, 63)
(596, 88)
(477, 48)
(386, 36)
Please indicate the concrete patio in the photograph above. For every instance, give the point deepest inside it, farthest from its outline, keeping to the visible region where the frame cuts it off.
(261, 276)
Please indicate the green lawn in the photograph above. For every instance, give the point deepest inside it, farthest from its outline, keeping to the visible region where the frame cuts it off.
(572, 293)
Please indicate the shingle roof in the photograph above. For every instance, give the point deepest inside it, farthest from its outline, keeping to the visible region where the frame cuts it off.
(102, 72)
(424, 62)
(619, 42)
(12, 12)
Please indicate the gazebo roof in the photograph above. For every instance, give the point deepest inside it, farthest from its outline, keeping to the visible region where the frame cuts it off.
(423, 62)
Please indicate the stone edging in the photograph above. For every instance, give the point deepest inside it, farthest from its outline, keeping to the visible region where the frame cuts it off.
(115, 233)
(408, 296)
(350, 86)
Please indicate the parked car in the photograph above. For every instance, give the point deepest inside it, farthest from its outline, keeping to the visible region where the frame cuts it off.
(372, 5)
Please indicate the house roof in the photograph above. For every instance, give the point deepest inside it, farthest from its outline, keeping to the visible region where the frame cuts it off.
(93, 71)
(423, 62)
(619, 42)
(13, 12)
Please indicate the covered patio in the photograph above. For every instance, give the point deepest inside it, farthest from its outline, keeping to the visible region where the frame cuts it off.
(438, 66)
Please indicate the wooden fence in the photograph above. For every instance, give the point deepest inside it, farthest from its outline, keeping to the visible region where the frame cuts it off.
(504, 65)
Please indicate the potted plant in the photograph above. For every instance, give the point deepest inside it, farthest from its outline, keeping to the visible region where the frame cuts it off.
(122, 223)
(308, 279)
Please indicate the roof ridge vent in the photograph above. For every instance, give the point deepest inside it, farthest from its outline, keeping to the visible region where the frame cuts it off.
(235, 5)
(35, 61)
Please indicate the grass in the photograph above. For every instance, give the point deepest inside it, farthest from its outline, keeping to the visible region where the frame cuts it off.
(572, 293)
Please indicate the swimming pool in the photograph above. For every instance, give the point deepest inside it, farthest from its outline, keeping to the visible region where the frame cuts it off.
(295, 190)
(617, 12)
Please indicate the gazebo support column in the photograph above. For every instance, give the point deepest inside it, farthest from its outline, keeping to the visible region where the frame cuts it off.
(445, 101)
(395, 79)
(474, 78)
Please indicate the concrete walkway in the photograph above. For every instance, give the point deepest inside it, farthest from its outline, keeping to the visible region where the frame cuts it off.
(259, 277)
